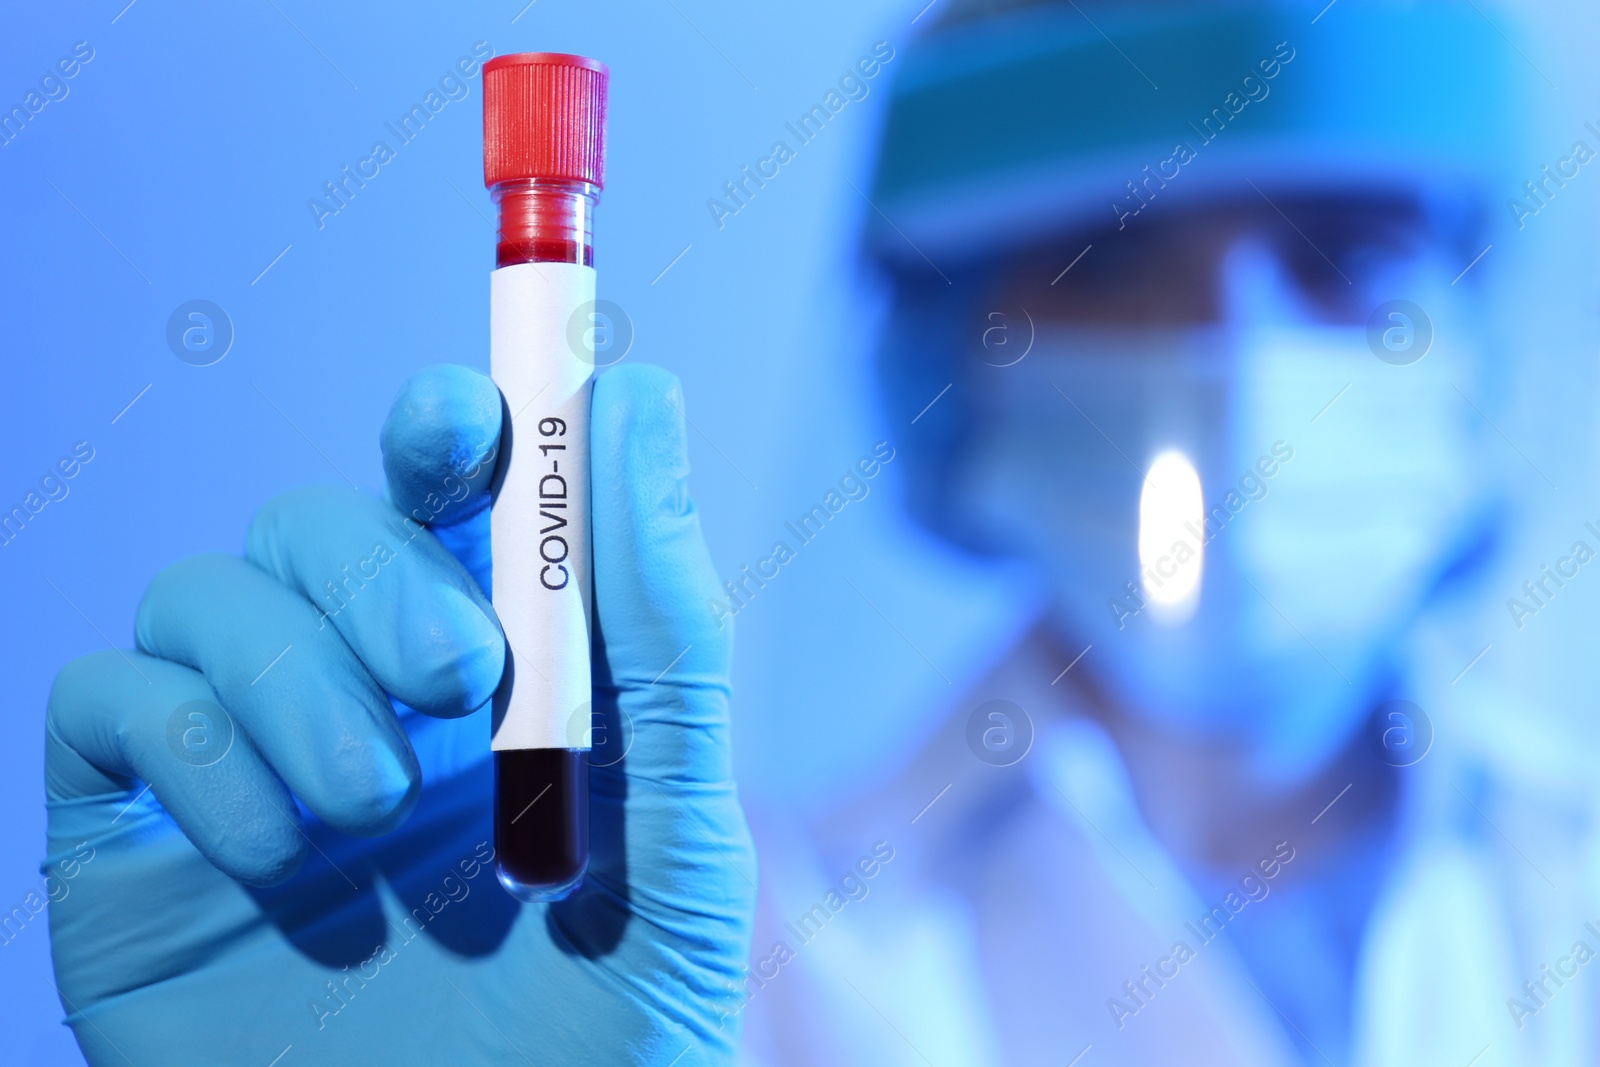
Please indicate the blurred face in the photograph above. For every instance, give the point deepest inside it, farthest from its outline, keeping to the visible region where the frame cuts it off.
(1241, 462)
(1340, 255)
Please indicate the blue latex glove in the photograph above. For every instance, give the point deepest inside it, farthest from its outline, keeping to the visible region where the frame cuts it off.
(309, 875)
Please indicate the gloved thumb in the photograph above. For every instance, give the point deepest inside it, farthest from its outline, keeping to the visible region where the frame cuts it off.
(663, 651)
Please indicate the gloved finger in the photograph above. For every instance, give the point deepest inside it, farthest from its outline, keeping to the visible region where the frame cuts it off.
(293, 685)
(113, 722)
(440, 444)
(660, 648)
(411, 613)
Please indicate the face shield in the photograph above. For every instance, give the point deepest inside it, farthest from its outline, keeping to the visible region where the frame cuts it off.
(1221, 385)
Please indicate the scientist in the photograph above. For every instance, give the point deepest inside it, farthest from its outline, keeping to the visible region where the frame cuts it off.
(1195, 279)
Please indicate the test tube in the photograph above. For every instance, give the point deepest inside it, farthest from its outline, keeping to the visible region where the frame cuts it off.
(543, 162)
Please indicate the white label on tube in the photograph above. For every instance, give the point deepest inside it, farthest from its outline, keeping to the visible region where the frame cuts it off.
(540, 523)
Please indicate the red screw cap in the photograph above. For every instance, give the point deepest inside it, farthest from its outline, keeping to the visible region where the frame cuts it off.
(544, 116)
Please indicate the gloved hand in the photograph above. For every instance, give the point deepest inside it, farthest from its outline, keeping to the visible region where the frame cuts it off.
(300, 876)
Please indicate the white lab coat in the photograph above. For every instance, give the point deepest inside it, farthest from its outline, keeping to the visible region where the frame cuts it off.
(1022, 899)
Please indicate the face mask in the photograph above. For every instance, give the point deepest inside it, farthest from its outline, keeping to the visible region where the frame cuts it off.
(1303, 497)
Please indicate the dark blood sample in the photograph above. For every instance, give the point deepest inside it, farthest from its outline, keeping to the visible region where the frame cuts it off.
(541, 820)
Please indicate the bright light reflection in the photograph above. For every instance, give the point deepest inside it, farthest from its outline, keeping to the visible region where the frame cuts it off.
(1171, 540)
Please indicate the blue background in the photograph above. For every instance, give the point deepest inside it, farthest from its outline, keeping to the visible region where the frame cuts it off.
(180, 165)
